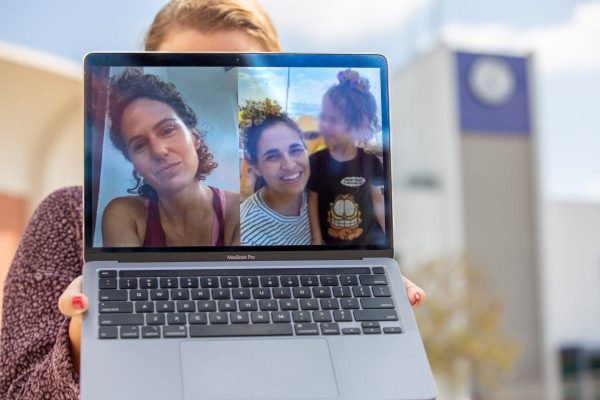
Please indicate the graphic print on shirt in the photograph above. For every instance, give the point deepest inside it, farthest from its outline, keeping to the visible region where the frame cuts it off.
(344, 218)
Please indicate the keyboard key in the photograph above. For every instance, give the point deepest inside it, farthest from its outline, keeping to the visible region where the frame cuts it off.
(342, 291)
(371, 280)
(186, 306)
(269, 281)
(241, 293)
(174, 331)
(381, 302)
(169, 283)
(368, 331)
(107, 283)
(321, 292)
(159, 294)
(249, 281)
(330, 328)
(165, 306)
(128, 283)
(138, 295)
(207, 305)
(209, 282)
(221, 294)
(112, 295)
(382, 291)
(248, 305)
(107, 274)
(115, 307)
(197, 318)
(309, 304)
(144, 307)
(349, 280)
(280, 316)
(350, 304)
(310, 280)
(188, 282)
(329, 304)
(155, 319)
(301, 292)
(150, 332)
(260, 317)
(230, 282)
(282, 293)
(321, 316)
(200, 294)
(149, 283)
(342, 316)
(351, 331)
(370, 324)
(301, 316)
(261, 293)
(108, 332)
(378, 270)
(290, 304)
(239, 318)
(375, 315)
(227, 305)
(176, 319)
(180, 294)
(241, 330)
(306, 329)
(121, 319)
(361, 291)
(289, 281)
(268, 305)
(392, 329)
(130, 332)
(329, 280)
(218, 318)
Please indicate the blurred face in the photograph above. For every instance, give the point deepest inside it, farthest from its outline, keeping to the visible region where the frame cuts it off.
(161, 147)
(332, 124)
(193, 40)
(282, 160)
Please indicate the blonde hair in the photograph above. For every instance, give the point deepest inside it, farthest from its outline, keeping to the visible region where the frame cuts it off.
(211, 16)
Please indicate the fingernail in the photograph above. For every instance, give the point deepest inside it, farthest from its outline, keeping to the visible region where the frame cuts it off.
(77, 302)
(417, 297)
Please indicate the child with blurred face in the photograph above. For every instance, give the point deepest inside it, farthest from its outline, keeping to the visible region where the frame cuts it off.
(345, 198)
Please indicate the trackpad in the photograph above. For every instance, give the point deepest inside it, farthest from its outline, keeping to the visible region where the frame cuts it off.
(262, 369)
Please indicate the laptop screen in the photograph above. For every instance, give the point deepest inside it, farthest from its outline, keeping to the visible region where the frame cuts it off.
(236, 152)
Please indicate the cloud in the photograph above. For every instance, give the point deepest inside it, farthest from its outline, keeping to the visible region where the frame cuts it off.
(328, 22)
(570, 46)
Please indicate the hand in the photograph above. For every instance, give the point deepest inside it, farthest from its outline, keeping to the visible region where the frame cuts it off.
(73, 303)
(416, 295)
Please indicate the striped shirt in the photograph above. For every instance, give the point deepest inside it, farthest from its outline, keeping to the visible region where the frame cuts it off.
(262, 226)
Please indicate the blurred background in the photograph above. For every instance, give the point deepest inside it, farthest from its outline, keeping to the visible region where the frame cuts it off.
(495, 128)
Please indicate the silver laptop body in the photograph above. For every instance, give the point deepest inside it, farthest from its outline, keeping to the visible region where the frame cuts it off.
(187, 323)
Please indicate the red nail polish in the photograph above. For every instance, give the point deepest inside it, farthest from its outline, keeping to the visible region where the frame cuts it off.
(77, 302)
(417, 298)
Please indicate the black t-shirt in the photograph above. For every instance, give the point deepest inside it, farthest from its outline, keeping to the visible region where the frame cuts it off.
(346, 213)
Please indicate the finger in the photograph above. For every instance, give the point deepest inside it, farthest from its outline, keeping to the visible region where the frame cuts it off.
(416, 295)
(73, 302)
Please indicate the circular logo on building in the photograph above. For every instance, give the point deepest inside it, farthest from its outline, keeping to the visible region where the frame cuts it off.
(492, 81)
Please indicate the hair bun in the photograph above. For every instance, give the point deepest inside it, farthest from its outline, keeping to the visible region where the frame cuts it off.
(255, 112)
(353, 79)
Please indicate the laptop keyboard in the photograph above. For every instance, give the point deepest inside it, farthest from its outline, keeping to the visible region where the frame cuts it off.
(145, 304)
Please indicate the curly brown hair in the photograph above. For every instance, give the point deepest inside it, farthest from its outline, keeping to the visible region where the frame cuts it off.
(133, 84)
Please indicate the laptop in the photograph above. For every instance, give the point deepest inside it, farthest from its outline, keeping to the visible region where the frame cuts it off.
(248, 305)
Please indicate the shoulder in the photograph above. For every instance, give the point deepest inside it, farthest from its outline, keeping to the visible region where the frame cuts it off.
(320, 155)
(250, 205)
(232, 202)
(126, 205)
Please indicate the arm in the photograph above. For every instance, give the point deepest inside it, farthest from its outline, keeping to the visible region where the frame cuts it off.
(118, 223)
(378, 205)
(232, 219)
(35, 356)
(313, 217)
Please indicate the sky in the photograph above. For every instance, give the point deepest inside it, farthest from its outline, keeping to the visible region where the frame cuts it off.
(563, 35)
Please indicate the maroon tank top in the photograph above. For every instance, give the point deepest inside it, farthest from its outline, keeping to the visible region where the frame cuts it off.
(155, 235)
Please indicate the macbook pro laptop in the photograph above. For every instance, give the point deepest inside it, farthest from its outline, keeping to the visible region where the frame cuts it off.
(294, 292)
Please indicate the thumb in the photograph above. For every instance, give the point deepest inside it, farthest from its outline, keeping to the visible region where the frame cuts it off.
(73, 302)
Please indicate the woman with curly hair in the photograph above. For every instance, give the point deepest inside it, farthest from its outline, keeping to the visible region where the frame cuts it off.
(155, 129)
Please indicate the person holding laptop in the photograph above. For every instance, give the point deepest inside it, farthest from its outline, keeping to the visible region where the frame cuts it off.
(40, 344)
(155, 129)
